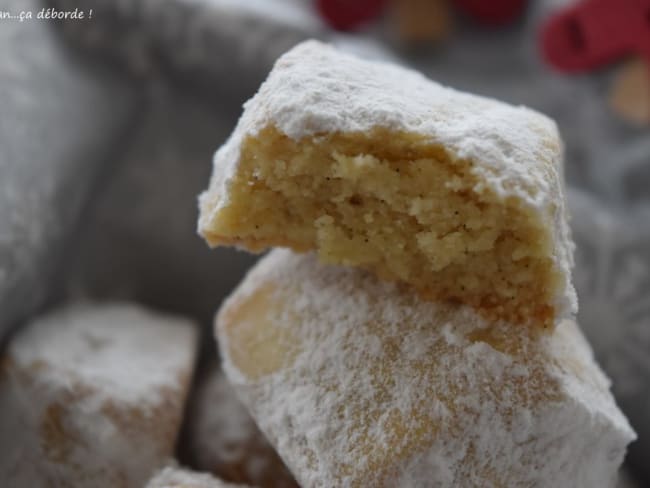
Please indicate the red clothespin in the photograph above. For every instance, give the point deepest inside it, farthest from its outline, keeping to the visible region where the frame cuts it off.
(593, 33)
(347, 15)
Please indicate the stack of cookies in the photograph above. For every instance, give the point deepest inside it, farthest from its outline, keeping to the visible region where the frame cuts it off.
(419, 329)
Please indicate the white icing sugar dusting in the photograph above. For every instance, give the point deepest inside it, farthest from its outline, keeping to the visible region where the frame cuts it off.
(93, 395)
(124, 351)
(176, 477)
(225, 439)
(378, 388)
(315, 89)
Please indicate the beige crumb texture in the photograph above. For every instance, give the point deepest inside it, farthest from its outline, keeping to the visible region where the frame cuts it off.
(93, 396)
(373, 165)
(358, 383)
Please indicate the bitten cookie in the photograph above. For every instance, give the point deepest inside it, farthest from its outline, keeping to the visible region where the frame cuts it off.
(224, 440)
(358, 383)
(374, 165)
(93, 396)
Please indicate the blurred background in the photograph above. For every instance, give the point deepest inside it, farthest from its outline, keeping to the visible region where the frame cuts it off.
(108, 125)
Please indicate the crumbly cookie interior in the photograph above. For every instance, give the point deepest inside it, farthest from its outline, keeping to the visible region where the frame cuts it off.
(398, 206)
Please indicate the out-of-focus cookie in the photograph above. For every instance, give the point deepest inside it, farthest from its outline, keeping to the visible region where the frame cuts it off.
(224, 439)
(93, 396)
(176, 477)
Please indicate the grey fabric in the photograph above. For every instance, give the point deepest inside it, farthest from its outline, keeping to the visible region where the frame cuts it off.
(58, 116)
(612, 277)
(139, 239)
(225, 46)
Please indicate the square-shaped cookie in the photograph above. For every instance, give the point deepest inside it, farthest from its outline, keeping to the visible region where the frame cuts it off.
(374, 165)
(357, 383)
(93, 396)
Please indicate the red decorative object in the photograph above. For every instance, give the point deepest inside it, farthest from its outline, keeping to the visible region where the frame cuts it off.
(347, 15)
(593, 33)
(491, 12)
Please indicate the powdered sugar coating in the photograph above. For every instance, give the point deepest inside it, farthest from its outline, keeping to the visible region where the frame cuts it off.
(225, 440)
(358, 383)
(315, 89)
(123, 350)
(93, 396)
(176, 477)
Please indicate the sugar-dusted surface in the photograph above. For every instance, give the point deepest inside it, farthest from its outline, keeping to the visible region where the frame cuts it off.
(176, 477)
(224, 439)
(357, 383)
(93, 395)
(314, 90)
